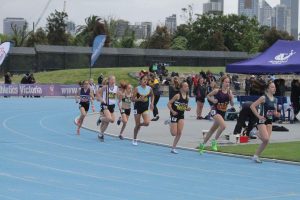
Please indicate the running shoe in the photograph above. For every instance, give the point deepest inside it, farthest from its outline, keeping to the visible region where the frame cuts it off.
(121, 137)
(214, 145)
(98, 122)
(155, 119)
(101, 137)
(119, 121)
(174, 151)
(134, 142)
(201, 148)
(256, 159)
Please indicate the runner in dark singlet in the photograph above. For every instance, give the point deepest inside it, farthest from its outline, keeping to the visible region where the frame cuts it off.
(220, 99)
(268, 109)
(85, 97)
(178, 105)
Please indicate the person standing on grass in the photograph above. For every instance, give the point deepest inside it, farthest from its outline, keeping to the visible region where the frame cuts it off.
(268, 109)
(154, 84)
(141, 96)
(85, 96)
(107, 96)
(177, 106)
(124, 103)
(220, 99)
(200, 92)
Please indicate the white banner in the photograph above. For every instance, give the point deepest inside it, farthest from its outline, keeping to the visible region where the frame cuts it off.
(4, 48)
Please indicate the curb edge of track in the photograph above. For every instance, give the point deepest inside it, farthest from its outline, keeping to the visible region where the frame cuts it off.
(194, 149)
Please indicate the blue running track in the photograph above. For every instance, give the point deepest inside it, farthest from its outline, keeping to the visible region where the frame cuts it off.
(42, 158)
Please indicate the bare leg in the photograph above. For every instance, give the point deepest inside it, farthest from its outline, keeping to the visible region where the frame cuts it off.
(124, 121)
(180, 125)
(173, 129)
(222, 126)
(137, 127)
(211, 131)
(264, 134)
(200, 108)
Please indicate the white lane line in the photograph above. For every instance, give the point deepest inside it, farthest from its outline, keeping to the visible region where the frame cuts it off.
(137, 159)
(71, 172)
(7, 175)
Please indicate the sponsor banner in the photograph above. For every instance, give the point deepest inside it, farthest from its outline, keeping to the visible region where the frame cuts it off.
(38, 90)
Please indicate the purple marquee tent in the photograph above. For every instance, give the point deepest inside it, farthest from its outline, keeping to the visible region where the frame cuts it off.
(281, 58)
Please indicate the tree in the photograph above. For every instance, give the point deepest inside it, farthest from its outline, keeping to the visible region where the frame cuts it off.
(179, 43)
(56, 28)
(270, 36)
(38, 37)
(224, 32)
(127, 40)
(20, 35)
(84, 36)
(160, 39)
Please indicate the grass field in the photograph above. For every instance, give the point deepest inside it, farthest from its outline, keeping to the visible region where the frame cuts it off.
(283, 151)
(75, 75)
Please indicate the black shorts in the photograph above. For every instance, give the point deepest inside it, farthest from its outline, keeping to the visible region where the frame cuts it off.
(175, 119)
(214, 112)
(266, 122)
(125, 111)
(202, 100)
(84, 105)
(111, 108)
(140, 108)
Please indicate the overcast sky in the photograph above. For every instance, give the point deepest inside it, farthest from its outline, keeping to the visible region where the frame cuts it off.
(131, 10)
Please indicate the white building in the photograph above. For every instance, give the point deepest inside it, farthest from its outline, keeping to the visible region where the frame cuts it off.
(10, 22)
(171, 24)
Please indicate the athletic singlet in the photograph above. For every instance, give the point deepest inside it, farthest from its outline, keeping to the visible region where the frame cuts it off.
(85, 95)
(268, 108)
(143, 92)
(126, 100)
(200, 91)
(110, 99)
(223, 101)
(180, 105)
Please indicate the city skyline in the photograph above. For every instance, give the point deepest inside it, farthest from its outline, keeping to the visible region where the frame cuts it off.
(87, 8)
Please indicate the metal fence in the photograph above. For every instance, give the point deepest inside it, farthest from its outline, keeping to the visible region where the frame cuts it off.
(46, 57)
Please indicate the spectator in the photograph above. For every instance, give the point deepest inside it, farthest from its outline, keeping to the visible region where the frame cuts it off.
(195, 80)
(92, 86)
(295, 97)
(174, 87)
(200, 93)
(154, 84)
(203, 74)
(189, 81)
(24, 80)
(31, 79)
(100, 80)
(7, 78)
(247, 86)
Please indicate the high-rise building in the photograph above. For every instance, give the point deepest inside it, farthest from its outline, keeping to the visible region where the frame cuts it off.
(293, 5)
(249, 8)
(171, 24)
(71, 28)
(121, 28)
(147, 26)
(265, 14)
(282, 18)
(10, 22)
(138, 30)
(214, 7)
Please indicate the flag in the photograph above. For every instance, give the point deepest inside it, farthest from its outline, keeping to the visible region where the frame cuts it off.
(97, 46)
(4, 49)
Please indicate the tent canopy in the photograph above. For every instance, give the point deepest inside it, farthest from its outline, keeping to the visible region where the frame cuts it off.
(281, 58)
